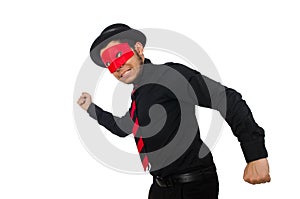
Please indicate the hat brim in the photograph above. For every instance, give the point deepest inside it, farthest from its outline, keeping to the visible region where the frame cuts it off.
(101, 42)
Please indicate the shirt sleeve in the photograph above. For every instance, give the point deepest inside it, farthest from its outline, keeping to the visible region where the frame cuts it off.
(120, 126)
(205, 92)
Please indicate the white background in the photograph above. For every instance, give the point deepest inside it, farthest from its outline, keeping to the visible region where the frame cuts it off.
(254, 44)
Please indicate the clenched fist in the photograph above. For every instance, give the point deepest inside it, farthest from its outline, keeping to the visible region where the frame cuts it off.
(84, 100)
(257, 172)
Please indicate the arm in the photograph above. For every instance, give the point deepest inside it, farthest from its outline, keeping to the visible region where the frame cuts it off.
(239, 117)
(206, 92)
(120, 126)
(235, 111)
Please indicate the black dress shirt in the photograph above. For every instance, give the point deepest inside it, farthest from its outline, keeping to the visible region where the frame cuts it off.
(165, 97)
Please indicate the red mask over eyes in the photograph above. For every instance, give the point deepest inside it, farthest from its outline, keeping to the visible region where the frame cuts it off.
(116, 56)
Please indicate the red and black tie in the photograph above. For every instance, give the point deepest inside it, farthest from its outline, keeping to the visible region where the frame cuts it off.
(138, 138)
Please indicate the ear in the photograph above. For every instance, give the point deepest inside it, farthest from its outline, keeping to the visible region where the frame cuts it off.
(139, 48)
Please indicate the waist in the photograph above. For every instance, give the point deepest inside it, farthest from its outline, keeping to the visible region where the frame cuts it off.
(192, 176)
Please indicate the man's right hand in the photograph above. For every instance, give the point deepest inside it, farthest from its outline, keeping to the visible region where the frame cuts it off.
(85, 100)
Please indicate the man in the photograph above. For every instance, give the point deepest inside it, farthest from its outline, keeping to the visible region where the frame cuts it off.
(168, 140)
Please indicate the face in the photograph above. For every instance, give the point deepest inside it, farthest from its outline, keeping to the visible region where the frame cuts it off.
(131, 69)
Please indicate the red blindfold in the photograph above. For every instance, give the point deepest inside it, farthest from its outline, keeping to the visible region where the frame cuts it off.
(116, 56)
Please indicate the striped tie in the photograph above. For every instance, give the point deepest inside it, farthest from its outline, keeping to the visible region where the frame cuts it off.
(139, 139)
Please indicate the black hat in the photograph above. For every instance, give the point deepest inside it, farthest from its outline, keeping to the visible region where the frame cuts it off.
(114, 32)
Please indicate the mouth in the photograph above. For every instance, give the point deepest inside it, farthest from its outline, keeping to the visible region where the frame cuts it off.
(125, 74)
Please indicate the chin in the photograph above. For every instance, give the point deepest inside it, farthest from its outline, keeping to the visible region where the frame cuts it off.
(128, 80)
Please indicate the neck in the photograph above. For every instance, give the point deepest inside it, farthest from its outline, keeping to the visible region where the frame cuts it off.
(139, 77)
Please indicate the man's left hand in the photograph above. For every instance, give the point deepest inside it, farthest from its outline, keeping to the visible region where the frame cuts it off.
(257, 172)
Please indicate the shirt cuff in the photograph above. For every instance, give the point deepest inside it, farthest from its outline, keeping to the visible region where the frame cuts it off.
(92, 111)
(254, 150)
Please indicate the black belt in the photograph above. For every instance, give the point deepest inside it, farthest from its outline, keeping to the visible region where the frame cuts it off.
(170, 181)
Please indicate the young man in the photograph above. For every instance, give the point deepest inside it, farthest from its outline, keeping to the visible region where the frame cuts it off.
(169, 139)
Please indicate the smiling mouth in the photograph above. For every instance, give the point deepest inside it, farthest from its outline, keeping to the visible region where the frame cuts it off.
(125, 73)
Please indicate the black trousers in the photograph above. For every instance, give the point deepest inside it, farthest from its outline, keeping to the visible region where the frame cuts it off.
(206, 188)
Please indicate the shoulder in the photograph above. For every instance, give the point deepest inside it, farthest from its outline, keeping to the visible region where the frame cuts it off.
(186, 71)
